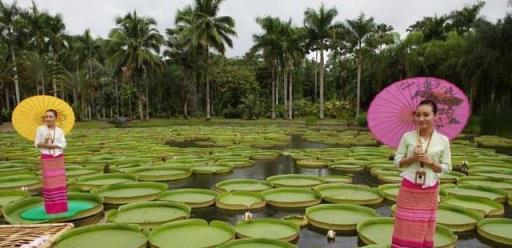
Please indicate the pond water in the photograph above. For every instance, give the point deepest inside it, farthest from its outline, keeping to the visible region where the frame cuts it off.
(309, 236)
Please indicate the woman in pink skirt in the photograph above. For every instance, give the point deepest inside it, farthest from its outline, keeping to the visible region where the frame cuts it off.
(51, 141)
(425, 155)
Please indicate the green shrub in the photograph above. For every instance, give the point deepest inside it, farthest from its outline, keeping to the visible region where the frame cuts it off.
(311, 120)
(361, 120)
(337, 109)
(496, 120)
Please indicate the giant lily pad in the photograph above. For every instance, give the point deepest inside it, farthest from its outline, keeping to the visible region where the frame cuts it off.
(291, 197)
(160, 173)
(491, 193)
(496, 229)
(242, 185)
(17, 182)
(130, 192)
(149, 214)
(458, 219)
(349, 193)
(342, 217)
(104, 235)
(267, 228)
(482, 205)
(195, 198)
(14, 211)
(486, 181)
(193, 233)
(379, 230)
(294, 180)
(390, 191)
(257, 243)
(240, 200)
(87, 183)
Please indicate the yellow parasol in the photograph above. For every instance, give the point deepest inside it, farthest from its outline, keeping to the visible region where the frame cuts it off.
(28, 115)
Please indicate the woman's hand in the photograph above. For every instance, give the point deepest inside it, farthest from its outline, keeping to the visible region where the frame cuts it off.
(425, 159)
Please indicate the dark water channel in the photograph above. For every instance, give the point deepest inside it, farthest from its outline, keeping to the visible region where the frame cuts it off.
(309, 236)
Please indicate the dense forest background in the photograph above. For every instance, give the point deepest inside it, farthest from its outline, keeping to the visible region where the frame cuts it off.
(328, 67)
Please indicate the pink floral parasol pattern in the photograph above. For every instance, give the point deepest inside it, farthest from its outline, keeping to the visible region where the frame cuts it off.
(391, 112)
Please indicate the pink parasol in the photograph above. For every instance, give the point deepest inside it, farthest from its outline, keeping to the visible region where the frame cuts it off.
(391, 112)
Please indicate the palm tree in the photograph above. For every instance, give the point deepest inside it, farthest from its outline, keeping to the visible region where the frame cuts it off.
(178, 51)
(210, 31)
(269, 43)
(319, 26)
(9, 30)
(295, 52)
(360, 32)
(138, 42)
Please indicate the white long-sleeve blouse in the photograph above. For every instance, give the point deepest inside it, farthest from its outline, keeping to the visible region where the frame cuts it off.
(439, 152)
(60, 140)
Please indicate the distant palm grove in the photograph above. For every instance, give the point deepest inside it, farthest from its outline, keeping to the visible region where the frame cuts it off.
(328, 67)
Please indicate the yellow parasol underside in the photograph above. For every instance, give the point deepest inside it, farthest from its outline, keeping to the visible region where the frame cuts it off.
(28, 115)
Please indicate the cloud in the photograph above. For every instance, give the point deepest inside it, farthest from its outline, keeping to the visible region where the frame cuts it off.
(98, 15)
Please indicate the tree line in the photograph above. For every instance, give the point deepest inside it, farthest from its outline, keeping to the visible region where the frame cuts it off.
(324, 67)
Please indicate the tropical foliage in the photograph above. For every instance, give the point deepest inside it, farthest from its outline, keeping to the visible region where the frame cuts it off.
(328, 66)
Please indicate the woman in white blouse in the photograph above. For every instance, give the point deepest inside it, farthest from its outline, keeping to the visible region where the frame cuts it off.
(51, 143)
(424, 154)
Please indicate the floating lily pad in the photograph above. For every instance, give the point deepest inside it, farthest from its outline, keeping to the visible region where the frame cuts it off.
(482, 205)
(235, 163)
(104, 235)
(337, 179)
(458, 219)
(195, 198)
(17, 182)
(240, 200)
(257, 243)
(193, 233)
(265, 155)
(267, 228)
(294, 180)
(341, 217)
(14, 211)
(451, 177)
(496, 229)
(349, 193)
(347, 165)
(390, 191)
(130, 192)
(160, 173)
(300, 220)
(379, 230)
(212, 169)
(10, 196)
(149, 214)
(311, 163)
(87, 183)
(242, 185)
(291, 197)
(491, 193)
(486, 181)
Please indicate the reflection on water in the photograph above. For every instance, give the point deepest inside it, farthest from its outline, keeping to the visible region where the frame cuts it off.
(309, 237)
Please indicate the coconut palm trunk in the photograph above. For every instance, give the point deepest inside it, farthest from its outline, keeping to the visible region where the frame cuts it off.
(285, 91)
(290, 98)
(321, 83)
(359, 69)
(207, 93)
(15, 72)
(273, 91)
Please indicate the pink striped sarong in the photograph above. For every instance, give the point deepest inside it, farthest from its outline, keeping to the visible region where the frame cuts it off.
(55, 192)
(415, 219)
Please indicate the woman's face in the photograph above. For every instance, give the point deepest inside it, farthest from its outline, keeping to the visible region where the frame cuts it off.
(49, 118)
(424, 116)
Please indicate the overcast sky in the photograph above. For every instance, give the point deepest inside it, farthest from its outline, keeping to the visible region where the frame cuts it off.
(98, 15)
